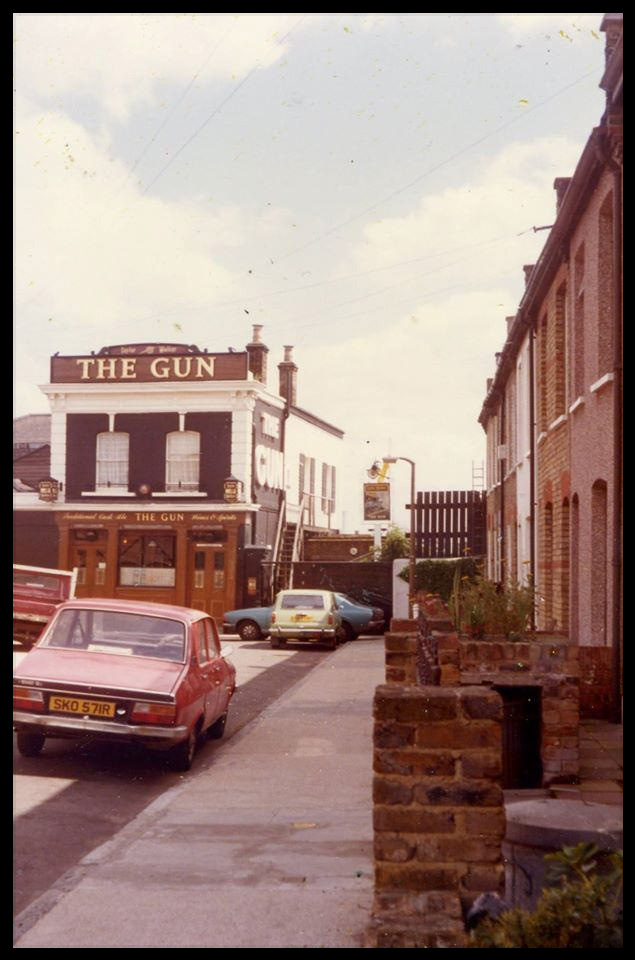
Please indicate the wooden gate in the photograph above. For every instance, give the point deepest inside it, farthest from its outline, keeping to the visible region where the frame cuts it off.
(450, 523)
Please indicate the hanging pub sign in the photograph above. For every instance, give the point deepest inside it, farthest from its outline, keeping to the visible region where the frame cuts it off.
(48, 489)
(232, 490)
(376, 501)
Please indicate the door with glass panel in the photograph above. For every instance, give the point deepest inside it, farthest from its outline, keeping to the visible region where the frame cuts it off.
(88, 554)
(207, 579)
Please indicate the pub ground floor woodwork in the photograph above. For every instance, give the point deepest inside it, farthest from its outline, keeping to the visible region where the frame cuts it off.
(196, 558)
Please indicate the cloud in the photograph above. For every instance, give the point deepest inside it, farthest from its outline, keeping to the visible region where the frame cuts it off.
(92, 254)
(505, 196)
(575, 25)
(121, 59)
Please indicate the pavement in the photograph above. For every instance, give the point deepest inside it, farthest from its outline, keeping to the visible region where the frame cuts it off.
(271, 844)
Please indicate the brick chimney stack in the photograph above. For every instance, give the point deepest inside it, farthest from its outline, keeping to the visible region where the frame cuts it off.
(510, 323)
(560, 185)
(288, 378)
(257, 353)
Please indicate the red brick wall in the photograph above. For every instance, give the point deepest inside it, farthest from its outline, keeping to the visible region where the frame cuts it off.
(595, 683)
(553, 487)
(438, 811)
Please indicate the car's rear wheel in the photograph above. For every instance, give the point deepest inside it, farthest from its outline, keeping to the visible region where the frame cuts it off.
(347, 632)
(332, 642)
(30, 744)
(249, 630)
(183, 754)
(217, 729)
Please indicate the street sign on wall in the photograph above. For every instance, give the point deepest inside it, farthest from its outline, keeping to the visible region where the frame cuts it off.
(376, 501)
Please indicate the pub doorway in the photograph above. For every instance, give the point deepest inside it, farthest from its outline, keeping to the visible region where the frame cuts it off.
(207, 575)
(88, 554)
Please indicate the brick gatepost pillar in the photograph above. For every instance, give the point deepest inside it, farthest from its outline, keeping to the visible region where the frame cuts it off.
(438, 811)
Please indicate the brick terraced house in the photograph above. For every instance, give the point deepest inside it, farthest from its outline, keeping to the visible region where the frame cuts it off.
(175, 472)
(552, 413)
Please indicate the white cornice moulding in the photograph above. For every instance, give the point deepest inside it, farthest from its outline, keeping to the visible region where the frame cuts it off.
(107, 493)
(607, 378)
(576, 404)
(175, 493)
(556, 423)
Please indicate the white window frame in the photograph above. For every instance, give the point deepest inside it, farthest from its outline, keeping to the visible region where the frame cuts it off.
(118, 465)
(187, 464)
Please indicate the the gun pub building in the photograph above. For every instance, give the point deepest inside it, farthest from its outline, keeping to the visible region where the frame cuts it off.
(174, 473)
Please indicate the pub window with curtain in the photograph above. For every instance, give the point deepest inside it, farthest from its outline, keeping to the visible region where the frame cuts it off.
(112, 461)
(183, 455)
(147, 560)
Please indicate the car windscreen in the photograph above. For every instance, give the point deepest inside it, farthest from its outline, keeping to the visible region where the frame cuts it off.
(302, 601)
(124, 634)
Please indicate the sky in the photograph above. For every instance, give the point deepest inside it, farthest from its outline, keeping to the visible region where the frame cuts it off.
(365, 186)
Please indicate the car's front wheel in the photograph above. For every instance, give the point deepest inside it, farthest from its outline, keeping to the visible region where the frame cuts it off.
(249, 630)
(30, 744)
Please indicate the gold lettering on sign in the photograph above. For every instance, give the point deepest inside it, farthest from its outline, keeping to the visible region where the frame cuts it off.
(160, 367)
(85, 364)
(205, 363)
(106, 369)
(128, 371)
(179, 371)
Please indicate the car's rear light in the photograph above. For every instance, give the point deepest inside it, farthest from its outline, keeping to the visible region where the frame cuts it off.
(28, 699)
(161, 713)
(330, 620)
(273, 618)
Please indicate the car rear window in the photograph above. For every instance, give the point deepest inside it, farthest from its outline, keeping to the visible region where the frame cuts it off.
(124, 634)
(37, 582)
(303, 601)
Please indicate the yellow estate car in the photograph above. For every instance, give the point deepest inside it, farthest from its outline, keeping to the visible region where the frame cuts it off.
(305, 615)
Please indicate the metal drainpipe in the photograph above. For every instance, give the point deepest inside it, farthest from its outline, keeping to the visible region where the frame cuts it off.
(617, 444)
(532, 461)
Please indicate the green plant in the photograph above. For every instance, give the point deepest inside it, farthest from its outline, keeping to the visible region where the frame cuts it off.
(480, 606)
(582, 910)
(394, 544)
(438, 576)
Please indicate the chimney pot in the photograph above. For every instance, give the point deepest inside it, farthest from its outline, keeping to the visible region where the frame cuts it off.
(528, 269)
(288, 377)
(257, 354)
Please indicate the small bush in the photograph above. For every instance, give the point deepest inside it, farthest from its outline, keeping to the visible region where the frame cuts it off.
(583, 910)
(437, 576)
(480, 607)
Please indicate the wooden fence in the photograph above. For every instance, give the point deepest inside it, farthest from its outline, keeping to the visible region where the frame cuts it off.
(450, 523)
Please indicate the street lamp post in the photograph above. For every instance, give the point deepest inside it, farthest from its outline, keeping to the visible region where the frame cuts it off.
(411, 567)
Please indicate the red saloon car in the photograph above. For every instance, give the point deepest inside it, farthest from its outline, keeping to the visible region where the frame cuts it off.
(126, 671)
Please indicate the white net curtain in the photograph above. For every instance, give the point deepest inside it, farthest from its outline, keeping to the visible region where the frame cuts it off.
(182, 460)
(112, 460)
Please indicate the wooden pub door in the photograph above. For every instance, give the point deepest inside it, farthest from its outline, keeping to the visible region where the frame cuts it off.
(89, 556)
(208, 581)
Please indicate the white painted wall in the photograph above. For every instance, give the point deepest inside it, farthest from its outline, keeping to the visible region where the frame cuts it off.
(302, 437)
(399, 591)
